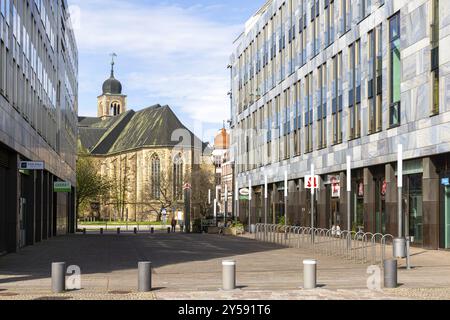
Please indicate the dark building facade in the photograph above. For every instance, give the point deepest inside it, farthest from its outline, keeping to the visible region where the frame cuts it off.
(38, 121)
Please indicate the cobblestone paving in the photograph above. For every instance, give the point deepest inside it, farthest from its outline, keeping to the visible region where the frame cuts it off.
(188, 267)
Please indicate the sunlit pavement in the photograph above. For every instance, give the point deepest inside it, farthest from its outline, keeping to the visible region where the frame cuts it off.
(189, 267)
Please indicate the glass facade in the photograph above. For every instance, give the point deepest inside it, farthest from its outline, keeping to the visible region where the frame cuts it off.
(413, 205)
(395, 69)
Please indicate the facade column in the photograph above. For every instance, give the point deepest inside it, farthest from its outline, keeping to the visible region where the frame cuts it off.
(273, 198)
(321, 200)
(303, 214)
(391, 201)
(292, 212)
(431, 192)
(38, 204)
(369, 201)
(12, 206)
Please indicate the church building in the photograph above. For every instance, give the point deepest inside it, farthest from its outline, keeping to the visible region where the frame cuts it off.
(148, 156)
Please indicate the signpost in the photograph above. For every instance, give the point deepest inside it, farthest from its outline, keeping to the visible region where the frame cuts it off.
(250, 205)
(266, 196)
(187, 207)
(237, 200)
(226, 206)
(312, 182)
(285, 202)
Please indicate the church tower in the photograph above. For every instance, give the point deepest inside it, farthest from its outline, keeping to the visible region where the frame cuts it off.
(112, 102)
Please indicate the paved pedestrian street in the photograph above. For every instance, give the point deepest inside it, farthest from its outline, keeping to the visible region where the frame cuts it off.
(189, 267)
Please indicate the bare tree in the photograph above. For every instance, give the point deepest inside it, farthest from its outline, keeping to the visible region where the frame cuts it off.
(120, 189)
(91, 186)
(166, 195)
(202, 180)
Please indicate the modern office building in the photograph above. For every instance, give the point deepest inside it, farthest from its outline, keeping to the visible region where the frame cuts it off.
(38, 121)
(316, 81)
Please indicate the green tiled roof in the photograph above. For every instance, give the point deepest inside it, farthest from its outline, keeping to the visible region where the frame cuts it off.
(151, 127)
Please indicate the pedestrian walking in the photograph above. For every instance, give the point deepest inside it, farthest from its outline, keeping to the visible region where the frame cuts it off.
(174, 224)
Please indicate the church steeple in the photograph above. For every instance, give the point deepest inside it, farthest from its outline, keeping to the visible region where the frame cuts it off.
(113, 55)
(112, 102)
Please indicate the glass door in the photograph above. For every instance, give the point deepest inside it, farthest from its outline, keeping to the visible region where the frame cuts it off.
(447, 217)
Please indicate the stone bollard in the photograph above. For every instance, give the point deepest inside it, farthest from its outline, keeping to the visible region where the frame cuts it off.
(58, 277)
(145, 276)
(309, 274)
(101, 230)
(229, 275)
(118, 230)
(390, 274)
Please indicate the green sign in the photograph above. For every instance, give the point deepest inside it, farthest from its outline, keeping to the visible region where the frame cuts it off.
(63, 187)
(244, 197)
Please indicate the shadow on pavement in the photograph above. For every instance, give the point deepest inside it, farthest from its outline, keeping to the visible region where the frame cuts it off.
(102, 254)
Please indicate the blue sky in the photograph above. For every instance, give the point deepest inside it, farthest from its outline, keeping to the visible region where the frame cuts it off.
(169, 52)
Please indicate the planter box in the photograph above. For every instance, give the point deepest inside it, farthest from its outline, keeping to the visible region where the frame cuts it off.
(213, 230)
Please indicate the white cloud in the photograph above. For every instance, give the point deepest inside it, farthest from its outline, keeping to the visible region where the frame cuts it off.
(178, 53)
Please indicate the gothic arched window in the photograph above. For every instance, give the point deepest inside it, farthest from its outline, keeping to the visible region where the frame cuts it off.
(156, 177)
(178, 177)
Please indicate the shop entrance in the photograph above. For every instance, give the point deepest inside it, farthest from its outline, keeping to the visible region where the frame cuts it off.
(335, 218)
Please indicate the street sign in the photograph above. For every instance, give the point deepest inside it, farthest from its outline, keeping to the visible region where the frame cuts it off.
(335, 188)
(312, 182)
(445, 182)
(244, 192)
(62, 187)
(31, 165)
(384, 188)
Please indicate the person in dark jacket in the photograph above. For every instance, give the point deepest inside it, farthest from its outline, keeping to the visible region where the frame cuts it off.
(174, 224)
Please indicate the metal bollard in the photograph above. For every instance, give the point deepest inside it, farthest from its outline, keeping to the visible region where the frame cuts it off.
(58, 277)
(101, 230)
(390, 274)
(168, 230)
(135, 231)
(84, 231)
(309, 274)
(118, 230)
(145, 276)
(229, 275)
(152, 230)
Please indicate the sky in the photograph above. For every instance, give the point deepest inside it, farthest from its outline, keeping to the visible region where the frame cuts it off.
(169, 53)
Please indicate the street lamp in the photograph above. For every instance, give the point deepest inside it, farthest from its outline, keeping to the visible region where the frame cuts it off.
(312, 201)
(349, 192)
(226, 204)
(266, 196)
(250, 205)
(236, 197)
(401, 244)
(285, 202)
